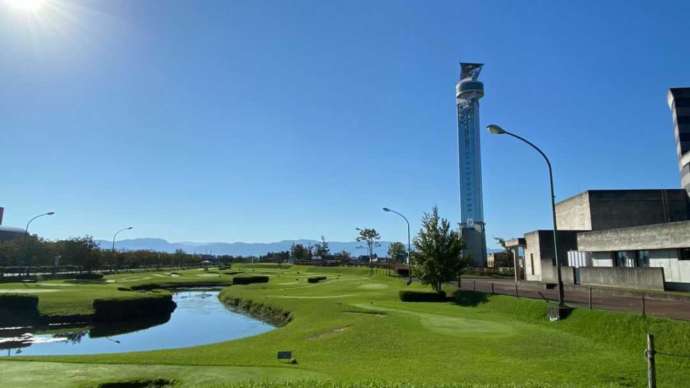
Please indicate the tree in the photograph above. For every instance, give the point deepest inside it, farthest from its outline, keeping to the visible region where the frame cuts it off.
(300, 252)
(371, 237)
(81, 251)
(321, 249)
(397, 252)
(438, 255)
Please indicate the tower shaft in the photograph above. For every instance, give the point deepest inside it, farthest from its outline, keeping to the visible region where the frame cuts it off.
(468, 92)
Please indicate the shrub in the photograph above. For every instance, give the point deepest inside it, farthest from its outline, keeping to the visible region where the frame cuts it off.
(122, 309)
(422, 296)
(250, 279)
(402, 272)
(18, 302)
(315, 279)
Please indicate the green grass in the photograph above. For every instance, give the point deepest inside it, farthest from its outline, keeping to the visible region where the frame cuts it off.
(352, 329)
(65, 297)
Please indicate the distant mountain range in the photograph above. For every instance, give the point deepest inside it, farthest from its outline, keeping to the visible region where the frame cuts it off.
(236, 248)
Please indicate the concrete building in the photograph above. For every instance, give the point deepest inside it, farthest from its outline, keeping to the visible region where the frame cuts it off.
(646, 257)
(606, 209)
(596, 213)
(540, 260)
(468, 91)
(679, 102)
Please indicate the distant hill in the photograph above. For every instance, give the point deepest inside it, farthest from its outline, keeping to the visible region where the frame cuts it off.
(236, 248)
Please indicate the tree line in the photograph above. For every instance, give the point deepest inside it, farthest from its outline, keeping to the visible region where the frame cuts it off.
(84, 254)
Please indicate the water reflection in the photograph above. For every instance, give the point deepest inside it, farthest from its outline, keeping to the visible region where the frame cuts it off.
(200, 318)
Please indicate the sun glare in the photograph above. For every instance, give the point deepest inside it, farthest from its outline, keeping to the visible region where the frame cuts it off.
(30, 6)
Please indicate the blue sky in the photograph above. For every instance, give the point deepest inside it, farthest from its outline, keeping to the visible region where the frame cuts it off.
(263, 121)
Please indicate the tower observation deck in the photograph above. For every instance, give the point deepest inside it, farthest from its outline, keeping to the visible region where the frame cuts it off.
(468, 91)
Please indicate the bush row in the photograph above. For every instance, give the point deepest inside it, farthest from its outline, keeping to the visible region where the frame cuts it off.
(18, 302)
(122, 309)
(264, 312)
(422, 296)
(315, 279)
(250, 279)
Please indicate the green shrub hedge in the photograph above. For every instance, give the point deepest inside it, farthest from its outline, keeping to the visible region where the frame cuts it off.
(122, 309)
(422, 296)
(250, 279)
(315, 279)
(18, 302)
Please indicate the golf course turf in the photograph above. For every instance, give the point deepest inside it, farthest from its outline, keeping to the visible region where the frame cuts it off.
(352, 329)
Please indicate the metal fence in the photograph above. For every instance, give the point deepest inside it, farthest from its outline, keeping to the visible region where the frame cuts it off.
(644, 303)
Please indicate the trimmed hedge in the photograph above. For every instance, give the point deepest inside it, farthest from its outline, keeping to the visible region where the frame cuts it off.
(267, 313)
(122, 309)
(17, 302)
(422, 296)
(402, 272)
(16, 309)
(250, 279)
(316, 279)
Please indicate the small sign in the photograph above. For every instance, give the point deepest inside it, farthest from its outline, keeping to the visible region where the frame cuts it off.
(285, 355)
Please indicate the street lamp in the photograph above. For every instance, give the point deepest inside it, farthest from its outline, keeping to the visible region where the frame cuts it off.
(409, 245)
(118, 232)
(497, 130)
(26, 240)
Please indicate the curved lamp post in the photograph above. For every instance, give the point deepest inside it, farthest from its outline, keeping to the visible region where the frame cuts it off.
(497, 130)
(26, 239)
(409, 245)
(118, 232)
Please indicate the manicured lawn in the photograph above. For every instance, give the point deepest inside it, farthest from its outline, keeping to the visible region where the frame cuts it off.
(65, 297)
(352, 328)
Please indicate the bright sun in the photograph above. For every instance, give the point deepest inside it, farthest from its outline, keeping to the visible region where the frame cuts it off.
(30, 6)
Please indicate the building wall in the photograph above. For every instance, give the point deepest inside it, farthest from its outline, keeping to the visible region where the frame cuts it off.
(675, 271)
(636, 278)
(573, 213)
(539, 247)
(679, 102)
(646, 237)
(624, 208)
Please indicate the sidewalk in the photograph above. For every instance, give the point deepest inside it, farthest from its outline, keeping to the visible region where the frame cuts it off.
(660, 304)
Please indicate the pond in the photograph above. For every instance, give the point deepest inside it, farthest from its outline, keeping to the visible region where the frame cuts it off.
(200, 318)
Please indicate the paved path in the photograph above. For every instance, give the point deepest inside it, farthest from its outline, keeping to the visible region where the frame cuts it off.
(651, 303)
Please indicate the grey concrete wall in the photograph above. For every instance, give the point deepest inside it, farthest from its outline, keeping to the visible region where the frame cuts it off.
(606, 209)
(636, 278)
(624, 208)
(540, 244)
(550, 273)
(573, 213)
(647, 237)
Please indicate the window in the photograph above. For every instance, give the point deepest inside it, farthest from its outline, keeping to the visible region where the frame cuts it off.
(531, 259)
(643, 259)
(684, 254)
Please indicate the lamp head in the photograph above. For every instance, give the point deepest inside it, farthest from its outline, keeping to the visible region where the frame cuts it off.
(385, 209)
(130, 228)
(495, 129)
(50, 213)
